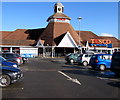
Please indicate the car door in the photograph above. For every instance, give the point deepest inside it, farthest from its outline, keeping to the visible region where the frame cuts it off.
(75, 57)
(107, 60)
(88, 58)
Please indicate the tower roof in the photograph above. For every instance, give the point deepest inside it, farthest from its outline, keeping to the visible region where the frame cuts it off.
(58, 12)
(58, 15)
(56, 29)
(59, 4)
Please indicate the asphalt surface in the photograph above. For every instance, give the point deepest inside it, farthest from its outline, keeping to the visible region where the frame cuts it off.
(54, 78)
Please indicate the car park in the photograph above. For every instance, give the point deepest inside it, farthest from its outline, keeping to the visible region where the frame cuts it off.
(9, 75)
(13, 57)
(84, 59)
(4, 62)
(115, 63)
(72, 57)
(100, 61)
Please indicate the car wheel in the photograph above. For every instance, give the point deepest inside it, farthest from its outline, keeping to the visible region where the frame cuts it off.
(71, 61)
(4, 80)
(102, 67)
(85, 63)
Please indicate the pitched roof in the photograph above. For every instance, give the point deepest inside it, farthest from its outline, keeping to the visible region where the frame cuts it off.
(52, 34)
(18, 34)
(17, 37)
(58, 15)
(55, 29)
(66, 40)
(57, 40)
(87, 35)
(34, 33)
(17, 42)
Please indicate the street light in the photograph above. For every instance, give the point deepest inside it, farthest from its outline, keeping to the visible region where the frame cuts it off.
(79, 19)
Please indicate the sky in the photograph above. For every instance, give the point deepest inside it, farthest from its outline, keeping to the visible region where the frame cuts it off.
(99, 17)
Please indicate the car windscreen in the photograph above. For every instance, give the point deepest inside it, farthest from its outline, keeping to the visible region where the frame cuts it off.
(80, 55)
(9, 55)
(17, 55)
(68, 54)
(12, 55)
(94, 56)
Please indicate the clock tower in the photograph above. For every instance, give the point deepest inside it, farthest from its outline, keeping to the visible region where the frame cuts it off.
(58, 8)
(58, 15)
(58, 26)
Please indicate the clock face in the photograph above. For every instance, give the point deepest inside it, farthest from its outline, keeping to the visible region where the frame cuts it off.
(59, 9)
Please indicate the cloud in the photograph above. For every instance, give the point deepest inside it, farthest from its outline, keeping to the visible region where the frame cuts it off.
(106, 34)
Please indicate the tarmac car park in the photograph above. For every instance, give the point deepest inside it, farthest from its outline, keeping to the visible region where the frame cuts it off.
(43, 81)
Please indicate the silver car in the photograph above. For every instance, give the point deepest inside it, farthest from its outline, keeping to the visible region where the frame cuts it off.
(13, 57)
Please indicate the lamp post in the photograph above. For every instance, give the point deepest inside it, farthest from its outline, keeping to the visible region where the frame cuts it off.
(79, 19)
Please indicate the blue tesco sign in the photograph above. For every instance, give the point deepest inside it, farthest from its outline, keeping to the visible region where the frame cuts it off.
(28, 55)
(102, 45)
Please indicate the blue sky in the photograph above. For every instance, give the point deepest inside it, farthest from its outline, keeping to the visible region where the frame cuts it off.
(98, 17)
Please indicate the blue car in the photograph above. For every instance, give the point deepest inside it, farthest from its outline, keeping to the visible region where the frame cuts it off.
(101, 61)
(9, 75)
(4, 62)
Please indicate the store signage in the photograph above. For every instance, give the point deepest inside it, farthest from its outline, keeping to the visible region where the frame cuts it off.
(28, 52)
(100, 41)
(100, 45)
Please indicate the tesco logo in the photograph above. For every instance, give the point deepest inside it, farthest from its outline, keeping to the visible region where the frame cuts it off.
(100, 41)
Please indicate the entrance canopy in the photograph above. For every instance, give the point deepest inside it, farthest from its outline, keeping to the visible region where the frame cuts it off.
(67, 41)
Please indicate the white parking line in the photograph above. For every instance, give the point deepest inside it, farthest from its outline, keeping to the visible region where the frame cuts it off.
(112, 79)
(11, 89)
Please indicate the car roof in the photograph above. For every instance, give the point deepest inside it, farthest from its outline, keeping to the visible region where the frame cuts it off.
(102, 54)
(7, 53)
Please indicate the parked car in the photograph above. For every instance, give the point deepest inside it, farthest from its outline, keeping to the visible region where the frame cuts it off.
(101, 61)
(4, 62)
(13, 57)
(115, 63)
(9, 75)
(71, 57)
(84, 59)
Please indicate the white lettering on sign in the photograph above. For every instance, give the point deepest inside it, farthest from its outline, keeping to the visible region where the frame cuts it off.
(28, 52)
